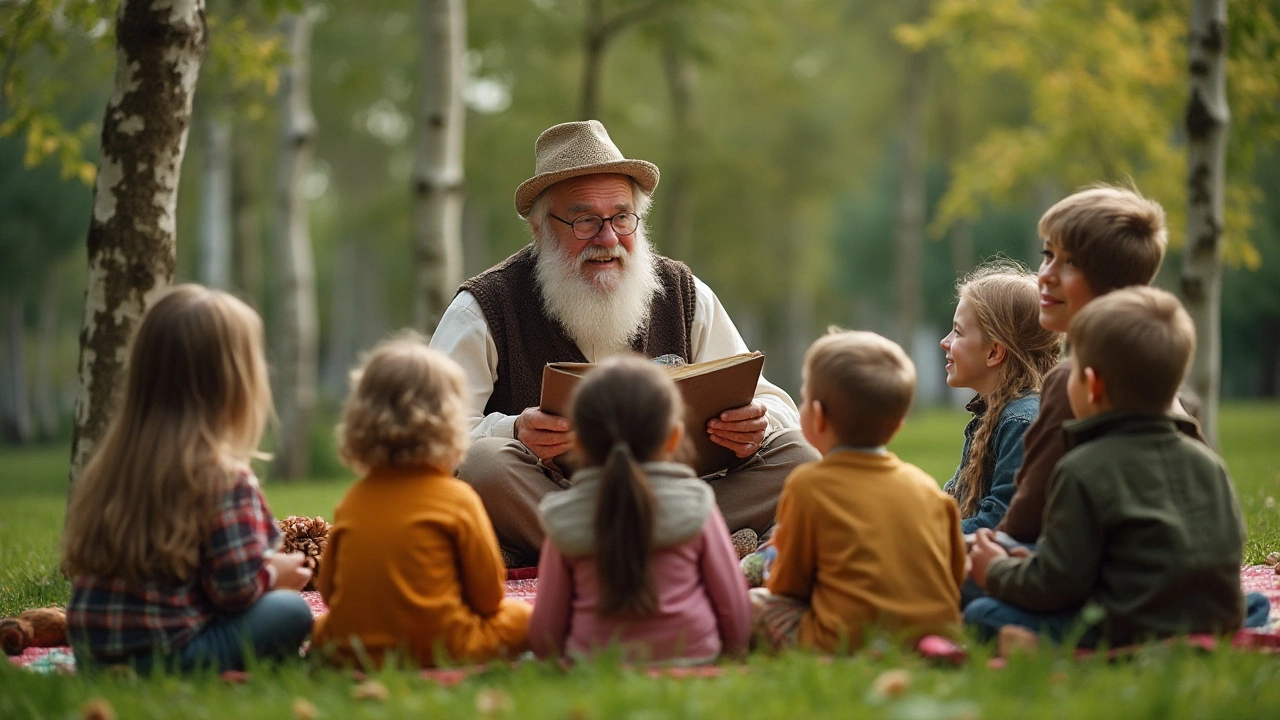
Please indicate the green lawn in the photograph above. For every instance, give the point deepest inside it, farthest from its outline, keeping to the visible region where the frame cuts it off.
(1159, 683)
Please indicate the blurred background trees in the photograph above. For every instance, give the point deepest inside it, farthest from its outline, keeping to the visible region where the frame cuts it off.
(823, 162)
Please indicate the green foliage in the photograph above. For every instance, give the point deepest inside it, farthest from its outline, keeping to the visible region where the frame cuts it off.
(37, 34)
(1106, 83)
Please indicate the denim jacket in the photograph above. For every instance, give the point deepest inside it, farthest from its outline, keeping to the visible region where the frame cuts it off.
(1002, 461)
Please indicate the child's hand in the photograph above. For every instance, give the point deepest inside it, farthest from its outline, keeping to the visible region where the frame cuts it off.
(290, 569)
(985, 549)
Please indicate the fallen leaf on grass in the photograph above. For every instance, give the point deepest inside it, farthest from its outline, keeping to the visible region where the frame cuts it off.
(98, 709)
(370, 690)
(891, 683)
(304, 710)
(492, 701)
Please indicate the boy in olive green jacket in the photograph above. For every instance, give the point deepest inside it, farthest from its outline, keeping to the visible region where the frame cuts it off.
(1141, 521)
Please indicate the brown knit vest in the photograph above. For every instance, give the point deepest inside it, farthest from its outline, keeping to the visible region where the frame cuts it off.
(527, 338)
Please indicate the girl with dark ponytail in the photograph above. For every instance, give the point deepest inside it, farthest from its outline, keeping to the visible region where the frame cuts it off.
(636, 552)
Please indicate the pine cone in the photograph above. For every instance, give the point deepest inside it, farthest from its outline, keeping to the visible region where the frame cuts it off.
(745, 542)
(42, 627)
(309, 536)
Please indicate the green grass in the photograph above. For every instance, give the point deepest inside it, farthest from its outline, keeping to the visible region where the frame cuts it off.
(1159, 683)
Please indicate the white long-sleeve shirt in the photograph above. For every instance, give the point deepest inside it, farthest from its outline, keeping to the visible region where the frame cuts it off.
(464, 336)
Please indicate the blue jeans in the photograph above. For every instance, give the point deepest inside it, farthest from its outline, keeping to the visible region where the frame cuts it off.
(273, 628)
(987, 615)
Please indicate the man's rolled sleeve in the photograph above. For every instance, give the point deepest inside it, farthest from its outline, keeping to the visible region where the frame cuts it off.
(463, 335)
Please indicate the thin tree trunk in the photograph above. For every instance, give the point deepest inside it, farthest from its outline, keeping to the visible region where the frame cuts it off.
(962, 255)
(678, 208)
(297, 355)
(438, 180)
(132, 245)
(909, 225)
(598, 32)
(45, 396)
(1207, 122)
(344, 317)
(15, 357)
(247, 236)
(592, 56)
(214, 235)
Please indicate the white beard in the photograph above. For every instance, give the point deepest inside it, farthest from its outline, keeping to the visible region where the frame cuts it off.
(602, 315)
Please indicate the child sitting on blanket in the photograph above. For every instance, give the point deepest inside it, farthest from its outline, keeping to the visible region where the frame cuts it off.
(998, 349)
(169, 542)
(1141, 521)
(412, 566)
(1095, 241)
(863, 539)
(637, 556)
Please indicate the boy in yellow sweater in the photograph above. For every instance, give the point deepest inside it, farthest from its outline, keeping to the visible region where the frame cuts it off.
(863, 539)
(412, 564)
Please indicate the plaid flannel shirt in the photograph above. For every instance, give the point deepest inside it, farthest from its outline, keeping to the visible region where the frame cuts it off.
(111, 619)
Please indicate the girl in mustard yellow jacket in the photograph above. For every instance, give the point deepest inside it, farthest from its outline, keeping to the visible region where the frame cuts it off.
(412, 566)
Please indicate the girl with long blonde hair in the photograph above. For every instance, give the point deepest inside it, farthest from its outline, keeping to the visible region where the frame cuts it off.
(169, 542)
(998, 349)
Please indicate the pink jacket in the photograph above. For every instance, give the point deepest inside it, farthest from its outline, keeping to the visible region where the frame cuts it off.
(703, 610)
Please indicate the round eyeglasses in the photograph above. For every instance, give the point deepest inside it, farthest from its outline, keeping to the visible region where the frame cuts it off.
(586, 226)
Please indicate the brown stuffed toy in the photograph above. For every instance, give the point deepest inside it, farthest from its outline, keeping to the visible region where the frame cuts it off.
(42, 627)
(309, 536)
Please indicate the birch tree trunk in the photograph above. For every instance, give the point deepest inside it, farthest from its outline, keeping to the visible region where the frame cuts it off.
(132, 245)
(1206, 121)
(214, 234)
(437, 184)
(297, 333)
(909, 224)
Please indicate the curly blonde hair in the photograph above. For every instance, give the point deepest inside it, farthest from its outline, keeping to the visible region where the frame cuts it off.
(406, 409)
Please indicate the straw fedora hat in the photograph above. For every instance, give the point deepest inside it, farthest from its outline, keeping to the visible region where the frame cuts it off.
(578, 148)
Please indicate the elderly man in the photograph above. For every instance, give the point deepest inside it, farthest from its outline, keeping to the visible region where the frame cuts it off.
(589, 285)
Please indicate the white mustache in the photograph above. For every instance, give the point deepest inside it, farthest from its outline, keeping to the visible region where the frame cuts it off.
(596, 252)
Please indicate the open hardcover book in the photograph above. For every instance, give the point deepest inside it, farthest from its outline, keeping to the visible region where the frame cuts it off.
(708, 388)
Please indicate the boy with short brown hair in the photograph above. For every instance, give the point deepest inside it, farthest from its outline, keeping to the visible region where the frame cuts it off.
(1141, 520)
(1095, 241)
(863, 539)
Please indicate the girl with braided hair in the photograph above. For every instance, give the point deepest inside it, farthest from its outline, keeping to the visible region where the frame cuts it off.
(998, 349)
(637, 556)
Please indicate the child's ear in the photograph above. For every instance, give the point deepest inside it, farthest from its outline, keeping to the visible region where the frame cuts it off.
(995, 356)
(673, 440)
(1096, 385)
(819, 416)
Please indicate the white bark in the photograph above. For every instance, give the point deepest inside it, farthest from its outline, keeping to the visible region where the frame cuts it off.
(131, 246)
(214, 230)
(439, 174)
(297, 354)
(1207, 122)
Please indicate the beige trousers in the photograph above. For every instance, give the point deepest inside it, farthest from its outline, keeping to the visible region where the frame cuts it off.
(512, 481)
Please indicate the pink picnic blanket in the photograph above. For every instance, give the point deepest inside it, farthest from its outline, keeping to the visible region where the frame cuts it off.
(523, 584)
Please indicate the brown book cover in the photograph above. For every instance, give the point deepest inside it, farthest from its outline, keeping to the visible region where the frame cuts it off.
(708, 388)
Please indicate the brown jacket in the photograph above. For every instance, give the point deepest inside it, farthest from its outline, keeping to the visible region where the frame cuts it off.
(1042, 448)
